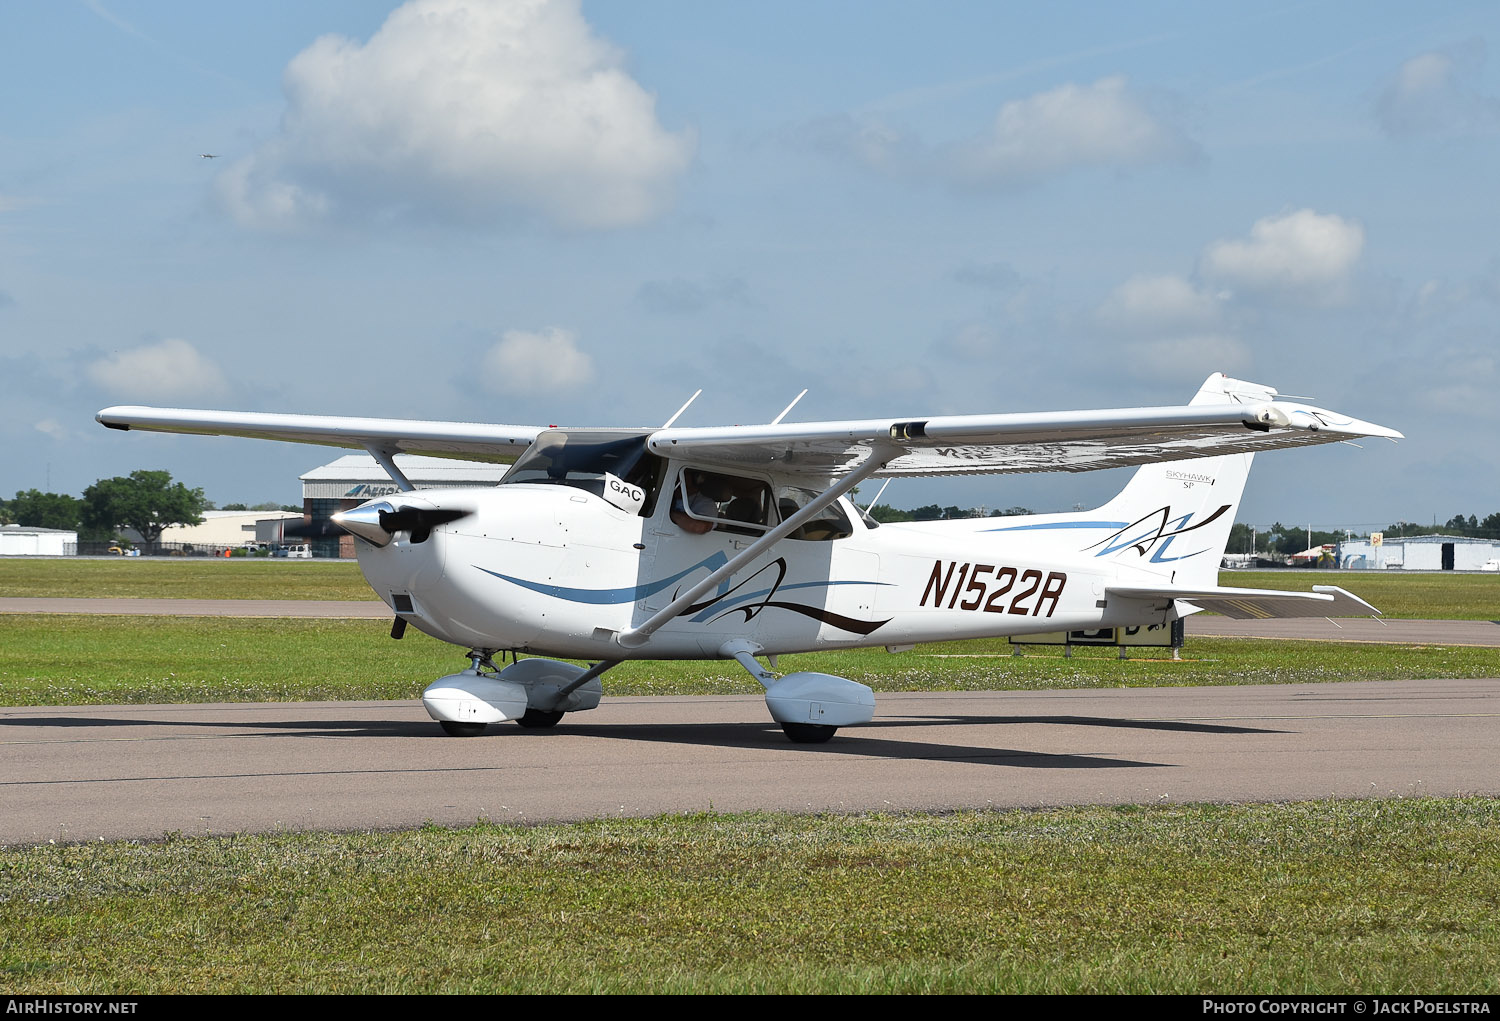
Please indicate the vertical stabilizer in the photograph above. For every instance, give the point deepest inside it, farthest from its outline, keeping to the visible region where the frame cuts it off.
(1179, 513)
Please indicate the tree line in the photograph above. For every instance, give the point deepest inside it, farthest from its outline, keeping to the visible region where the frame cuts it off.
(146, 501)
(932, 512)
(1289, 539)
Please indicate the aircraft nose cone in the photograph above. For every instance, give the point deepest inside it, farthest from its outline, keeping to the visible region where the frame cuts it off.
(364, 521)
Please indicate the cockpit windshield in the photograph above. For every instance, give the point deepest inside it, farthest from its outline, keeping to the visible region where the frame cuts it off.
(587, 460)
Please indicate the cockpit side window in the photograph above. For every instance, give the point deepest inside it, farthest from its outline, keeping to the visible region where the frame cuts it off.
(704, 501)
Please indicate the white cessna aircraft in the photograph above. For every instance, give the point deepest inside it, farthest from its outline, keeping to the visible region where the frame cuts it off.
(735, 542)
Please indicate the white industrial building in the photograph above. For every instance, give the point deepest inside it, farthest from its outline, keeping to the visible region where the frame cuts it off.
(30, 541)
(220, 530)
(1419, 553)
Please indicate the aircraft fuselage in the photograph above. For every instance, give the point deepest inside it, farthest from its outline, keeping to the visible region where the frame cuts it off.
(557, 571)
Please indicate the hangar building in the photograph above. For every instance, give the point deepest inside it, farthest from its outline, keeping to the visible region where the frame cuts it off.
(1420, 553)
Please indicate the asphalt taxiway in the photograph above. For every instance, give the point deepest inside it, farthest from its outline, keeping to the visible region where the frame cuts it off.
(91, 772)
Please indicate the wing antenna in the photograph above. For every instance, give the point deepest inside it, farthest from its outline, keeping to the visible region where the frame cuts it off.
(789, 407)
(680, 410)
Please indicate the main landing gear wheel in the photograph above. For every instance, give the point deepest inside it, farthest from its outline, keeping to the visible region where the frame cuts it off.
(539, 719)
(454, 729)
(808, 733)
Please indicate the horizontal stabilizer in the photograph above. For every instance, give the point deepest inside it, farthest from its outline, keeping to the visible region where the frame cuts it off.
(1256, 603)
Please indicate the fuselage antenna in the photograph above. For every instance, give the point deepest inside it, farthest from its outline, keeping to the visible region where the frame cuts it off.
(680, 410)
(789, 407)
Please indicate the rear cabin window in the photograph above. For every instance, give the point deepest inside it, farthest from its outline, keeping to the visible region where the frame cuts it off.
(829, 523)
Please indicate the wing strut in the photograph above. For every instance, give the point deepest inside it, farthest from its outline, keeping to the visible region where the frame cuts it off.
(388, 462)
(642, 632)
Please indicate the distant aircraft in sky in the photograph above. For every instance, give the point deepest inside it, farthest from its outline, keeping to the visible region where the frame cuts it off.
(209, 155)
(734, 542)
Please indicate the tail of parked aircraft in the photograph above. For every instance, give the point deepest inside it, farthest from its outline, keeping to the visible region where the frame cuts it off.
(1174, 517)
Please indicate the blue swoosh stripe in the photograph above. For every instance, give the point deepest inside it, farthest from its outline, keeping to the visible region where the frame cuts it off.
(603, 596)
(1060, 524)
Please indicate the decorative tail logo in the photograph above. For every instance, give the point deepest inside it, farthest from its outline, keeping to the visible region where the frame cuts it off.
(1152, 534)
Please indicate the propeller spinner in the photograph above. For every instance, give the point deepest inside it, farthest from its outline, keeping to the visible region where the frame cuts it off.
(377, 522)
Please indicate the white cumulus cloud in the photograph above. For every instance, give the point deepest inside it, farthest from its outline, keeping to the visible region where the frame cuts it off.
(462, 110)
(548, 360)
(1187, 357)
(51, 427)
(866, 139)
(1438, 93)
(169, 370)
(1106, 124)
(1303, 257)
(1155, 302)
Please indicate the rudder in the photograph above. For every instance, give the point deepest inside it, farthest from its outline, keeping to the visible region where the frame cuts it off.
(1180, 512)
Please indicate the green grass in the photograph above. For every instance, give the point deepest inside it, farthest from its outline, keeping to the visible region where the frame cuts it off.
(61, 659)
(167, 578)
(1328, 897)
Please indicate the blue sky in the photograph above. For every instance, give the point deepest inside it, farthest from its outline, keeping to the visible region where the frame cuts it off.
(554, 212)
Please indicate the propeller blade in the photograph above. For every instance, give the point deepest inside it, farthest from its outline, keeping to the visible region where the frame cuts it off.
(379, 522)
(313, 530)
(415, 519)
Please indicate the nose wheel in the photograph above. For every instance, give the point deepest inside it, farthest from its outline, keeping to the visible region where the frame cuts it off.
(536, 693)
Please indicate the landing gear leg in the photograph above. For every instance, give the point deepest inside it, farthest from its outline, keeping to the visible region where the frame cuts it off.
(479, 660)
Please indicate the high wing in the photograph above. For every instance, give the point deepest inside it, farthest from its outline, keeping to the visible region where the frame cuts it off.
(467, 440)
(1242, 420)
(1071, 441)
(1256, 604)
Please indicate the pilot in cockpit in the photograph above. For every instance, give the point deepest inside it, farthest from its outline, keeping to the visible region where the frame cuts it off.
(705, 491)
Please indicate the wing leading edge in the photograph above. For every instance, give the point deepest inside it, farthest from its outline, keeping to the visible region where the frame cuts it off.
(467, 440)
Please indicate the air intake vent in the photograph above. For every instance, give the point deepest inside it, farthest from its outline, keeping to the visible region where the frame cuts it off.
(402, 602)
